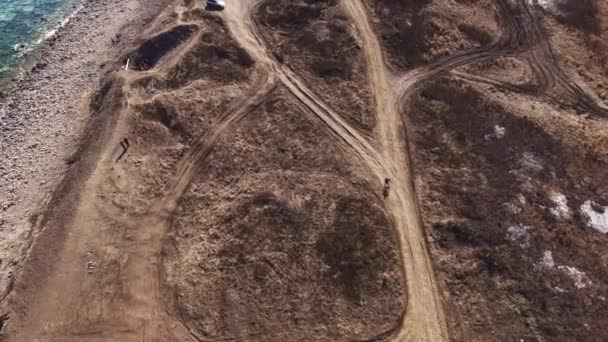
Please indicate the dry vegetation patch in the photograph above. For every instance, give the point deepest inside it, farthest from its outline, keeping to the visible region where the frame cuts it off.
(281, 239)
(316, 40)
(499, 193)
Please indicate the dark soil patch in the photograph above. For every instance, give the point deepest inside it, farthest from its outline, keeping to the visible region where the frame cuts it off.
(155, 48)
(215, 57)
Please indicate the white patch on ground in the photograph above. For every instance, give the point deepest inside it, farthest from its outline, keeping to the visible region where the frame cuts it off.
(547, 5)
(580, 279)
(522, 199)
(561, 209)
(597, 220)
(559, 289)
(519, 233)
(529, 162)
(512, 207)
(499, 133)
(547, 260)
(528, 167)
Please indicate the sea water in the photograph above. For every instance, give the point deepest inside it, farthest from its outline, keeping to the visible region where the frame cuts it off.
(24, 25)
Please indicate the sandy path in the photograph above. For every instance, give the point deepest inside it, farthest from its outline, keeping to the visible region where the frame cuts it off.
(123, 303)
(122, 300)
(424, 319)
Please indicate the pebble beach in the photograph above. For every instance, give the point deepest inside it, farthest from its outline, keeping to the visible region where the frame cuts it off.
(43, 112)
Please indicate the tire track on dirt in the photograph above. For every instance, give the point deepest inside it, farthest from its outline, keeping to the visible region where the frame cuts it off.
(424, 316)
(424, 319)
(523, 24)
(192, 162)
(244, 30)
(143, 274)
(521, 35)
(514, 40)
(126, 302)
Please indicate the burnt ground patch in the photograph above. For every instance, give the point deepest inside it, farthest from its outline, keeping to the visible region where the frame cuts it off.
(487, 180)
(415, 33)
(265, 239)
(155, 48)
(317, 40)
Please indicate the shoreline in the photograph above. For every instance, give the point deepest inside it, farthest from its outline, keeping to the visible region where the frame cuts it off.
(44, 112)
(32, 48)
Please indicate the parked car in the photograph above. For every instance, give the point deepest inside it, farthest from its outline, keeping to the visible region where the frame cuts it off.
(215, 5)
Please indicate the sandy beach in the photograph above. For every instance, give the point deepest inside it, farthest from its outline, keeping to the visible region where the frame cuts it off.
(43, 115)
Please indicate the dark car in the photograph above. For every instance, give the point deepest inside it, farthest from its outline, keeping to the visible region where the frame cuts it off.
(215, 5)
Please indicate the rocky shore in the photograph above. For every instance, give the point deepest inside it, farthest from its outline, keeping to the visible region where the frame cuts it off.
(44, 112)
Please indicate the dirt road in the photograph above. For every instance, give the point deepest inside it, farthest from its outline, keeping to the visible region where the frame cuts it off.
(424, 317)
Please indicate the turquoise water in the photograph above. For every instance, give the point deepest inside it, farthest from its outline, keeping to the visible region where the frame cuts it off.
(24, 24)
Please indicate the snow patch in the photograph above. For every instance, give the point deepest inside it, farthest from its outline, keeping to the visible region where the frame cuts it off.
(499, 133)
(512, 208)
(580, 279)
(547, 5)
(529, 162)
(597, 220)
(519, 233)
(561, 209)
(559, 289)
(547, 260)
